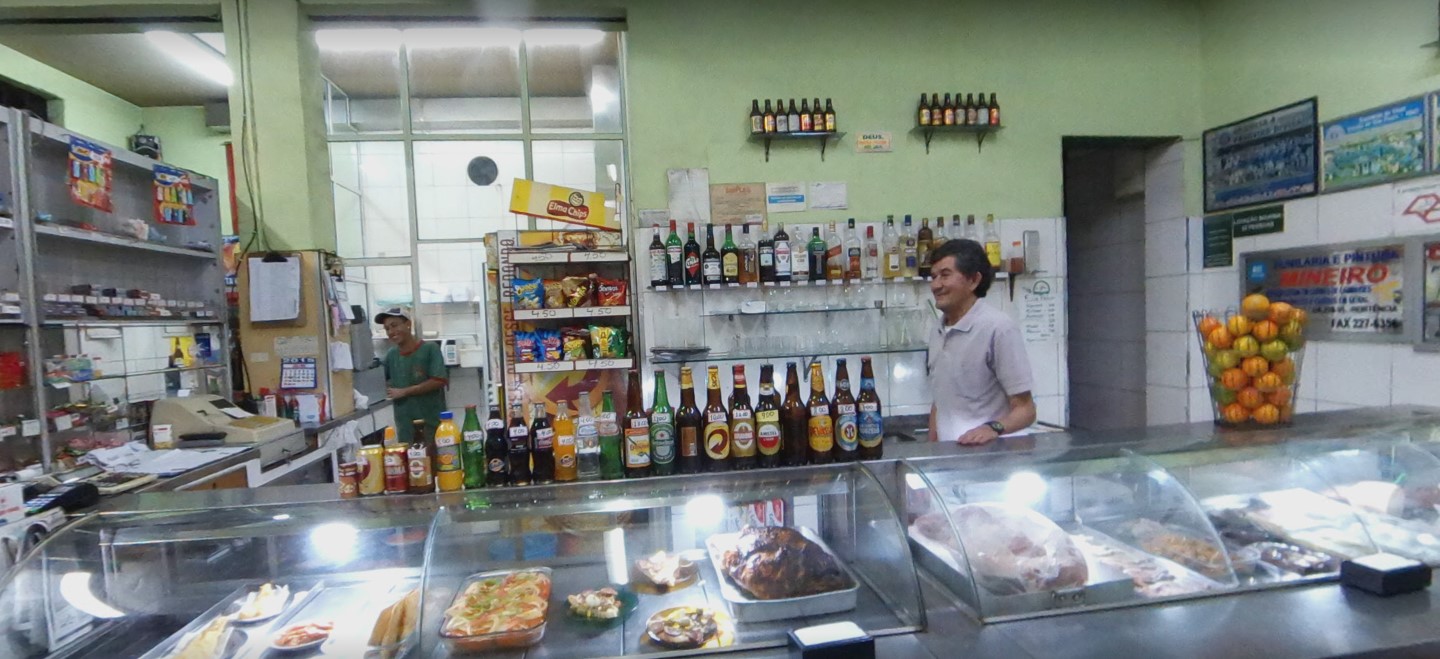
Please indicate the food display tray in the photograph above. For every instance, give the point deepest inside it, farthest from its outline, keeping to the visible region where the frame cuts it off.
(748, 609)
(513, 639)
(241, 636)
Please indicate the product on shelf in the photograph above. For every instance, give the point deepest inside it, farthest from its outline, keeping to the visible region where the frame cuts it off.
(608, 342)
(612, 292)
(498, 609)
(577, 290)
(1149, 576)
(683, 627)
(776, 562)
(602, 604)
(1199, 555)
(1012, 550)
(529, 293)
(666, 570)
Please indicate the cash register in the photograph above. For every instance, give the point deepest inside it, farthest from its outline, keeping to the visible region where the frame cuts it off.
(213, 417)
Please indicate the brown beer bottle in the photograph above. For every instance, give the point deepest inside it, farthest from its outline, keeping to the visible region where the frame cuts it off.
(924, 117)
(767, 420)
(688, 424)
(870, 422)
(420, 461)
(742, 422)
(843, 416)
(794, 422)
(821, 427)
(717, 425)
(635, 451)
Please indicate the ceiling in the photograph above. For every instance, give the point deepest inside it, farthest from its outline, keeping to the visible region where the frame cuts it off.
(125, 64)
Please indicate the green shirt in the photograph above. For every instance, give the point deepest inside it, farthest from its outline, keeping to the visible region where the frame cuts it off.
(402, 370)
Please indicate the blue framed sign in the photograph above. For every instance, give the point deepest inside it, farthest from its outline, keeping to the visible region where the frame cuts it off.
(1265, 158)
(1381, 144)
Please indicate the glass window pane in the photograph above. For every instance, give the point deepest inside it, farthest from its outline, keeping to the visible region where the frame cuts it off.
(574, 80)
(362, 80)
(448, 205)
(464, 80)
(583, 164)
(452, 272)
(372, 205)
(378, 287)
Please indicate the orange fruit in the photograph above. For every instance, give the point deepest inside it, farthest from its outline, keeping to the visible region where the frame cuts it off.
(1238, 325)
(1235, 413)
(1234, 379)
(1255, 366)
(1226, 359)
(1268, 382)
(1255, 306)
(1221, 395)
(1250, 397)
(1274, 350)
(1247, 346)
(1265, 330)
(1298, 315)
(1207, 324)
(1281, 312)
(1285, 368)
(1266, 414)
(1220, 338)
(1279, 398)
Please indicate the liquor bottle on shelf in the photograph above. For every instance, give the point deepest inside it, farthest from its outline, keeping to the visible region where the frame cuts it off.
(937, 110)
(938, 237)
(972, 111)
(768, 435)
(994, 110)
(821, 428)
(769, 118)
(662, 429)
(782, 118)
(542, 445)
(983, 115)
(783, 255)
(871, 261)
(765, 256)
(948, 110)
(818, 117)
(924, 242)
(689, 425)
(807, 120)
(692, 257)
(742, 422)
(472, 452)
(956, 232)
(659, 266)
(420, 463)
(835, 258)
(587, 440)
(843, 415)
(830, 121)
(924, 111)
(674, 258)
(971, 231)
(870, 422)
(757, 120)
(816, 250)
(637, 430)
(497, 450)
(710, 259)
(449, 464)
(891, 266)
(566, 467)
(794, 422)
(717, 425)
(794, 117)
(519, 447)
(749, 258)
(992, 241)
(853, 253)
(799, 258)
(607, 425)
(729, 258)
(910, 266)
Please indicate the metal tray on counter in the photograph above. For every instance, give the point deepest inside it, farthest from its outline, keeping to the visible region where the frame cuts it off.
(241, 635)
(748, 609)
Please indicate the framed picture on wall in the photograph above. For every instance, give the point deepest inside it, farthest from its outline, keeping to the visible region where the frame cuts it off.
(1431, 322)
(1272, 156)
(1382, 144)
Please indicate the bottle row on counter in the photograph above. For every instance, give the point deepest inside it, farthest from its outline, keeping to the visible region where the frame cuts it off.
(656, 441)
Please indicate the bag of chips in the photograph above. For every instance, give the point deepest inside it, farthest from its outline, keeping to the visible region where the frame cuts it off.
(525, 347)
(608, 342)
(612, 292)
(549, 342)
(554, 294)
(574, 343)
(576, 291)
(529, 294)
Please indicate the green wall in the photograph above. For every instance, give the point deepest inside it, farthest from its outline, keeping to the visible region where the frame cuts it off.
(1118, 67)
(188, 143)
(83, 108)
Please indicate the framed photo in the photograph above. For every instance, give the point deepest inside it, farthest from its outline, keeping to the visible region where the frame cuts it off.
(1379, 145)
(1269, 157)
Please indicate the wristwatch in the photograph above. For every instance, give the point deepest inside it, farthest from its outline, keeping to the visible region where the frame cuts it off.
(998, 427)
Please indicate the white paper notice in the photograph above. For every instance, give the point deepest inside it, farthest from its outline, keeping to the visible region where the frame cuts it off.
(689, 194)
(340, 359)
(1040, 312)
(235, 412)
(274, 289)
(784, 197)
(297, 346)
(828, 196)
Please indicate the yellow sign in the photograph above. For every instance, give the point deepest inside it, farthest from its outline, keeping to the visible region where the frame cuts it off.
(553, 202)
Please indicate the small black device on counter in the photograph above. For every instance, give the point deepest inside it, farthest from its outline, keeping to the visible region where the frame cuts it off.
(837, 640)
(1385, 574)
(70, 496)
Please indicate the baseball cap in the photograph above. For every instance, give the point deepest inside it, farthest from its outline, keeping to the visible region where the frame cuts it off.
(398, 312)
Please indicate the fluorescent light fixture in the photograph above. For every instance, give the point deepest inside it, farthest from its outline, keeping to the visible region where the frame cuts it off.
(214, 40)
(461, 37)
(581, 37)
(1025, 488)
(617, 567)
(334, 542)
(351, 40)
(75, 589)
(193, 53)
(281, 517)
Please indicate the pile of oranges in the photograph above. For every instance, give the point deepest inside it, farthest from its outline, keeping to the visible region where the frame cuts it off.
(1249, 358)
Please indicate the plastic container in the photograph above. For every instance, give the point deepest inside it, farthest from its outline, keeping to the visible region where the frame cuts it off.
(521, 638)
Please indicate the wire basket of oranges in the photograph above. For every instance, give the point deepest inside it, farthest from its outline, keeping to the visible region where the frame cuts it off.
(1252, 357)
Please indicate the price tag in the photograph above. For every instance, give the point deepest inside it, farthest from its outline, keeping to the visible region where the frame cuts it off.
(30, 428)
(7, 222)
(609, 311)
(545, 313)
(591, 257)
(752, 285)
(785, 284)
(91, 299)
(9, 296)
(696, 287)
(661, 289)
(50, 297)
(714, 287)
(733, 284)
(7, 431)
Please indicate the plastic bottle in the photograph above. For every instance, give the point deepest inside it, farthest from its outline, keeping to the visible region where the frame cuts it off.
(565, 468)
(587, 441)
(449, 465)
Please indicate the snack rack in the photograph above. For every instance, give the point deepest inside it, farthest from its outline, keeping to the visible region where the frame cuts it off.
(554, 255)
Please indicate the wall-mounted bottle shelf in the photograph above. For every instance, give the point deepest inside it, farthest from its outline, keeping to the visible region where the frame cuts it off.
(979, 131)
(823, 137)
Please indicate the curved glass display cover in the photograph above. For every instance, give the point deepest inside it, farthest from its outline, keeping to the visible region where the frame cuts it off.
(1392, 486)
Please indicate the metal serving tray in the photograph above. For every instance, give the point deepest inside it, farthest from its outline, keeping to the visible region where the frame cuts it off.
(747, 609)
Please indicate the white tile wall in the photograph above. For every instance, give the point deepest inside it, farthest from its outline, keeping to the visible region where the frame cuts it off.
(1165, 405)
(1355, 215)
(1413, 378)
(1165, 252)
(1164, 190)
(1165, 303)
(1167, 359)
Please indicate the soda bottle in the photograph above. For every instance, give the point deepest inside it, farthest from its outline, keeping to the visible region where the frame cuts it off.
(688, 423)
(449, 466)
(419, 464)
(565, 467)
(871, 423)
(608, 428)
(717, 425)
(472, 453)
(518, 441)
(662, 429)
(637, 430)
(497, 452)
(843, 415)
(542, 445)
(587, 441)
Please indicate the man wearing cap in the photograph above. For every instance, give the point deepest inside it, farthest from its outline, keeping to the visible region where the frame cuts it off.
(415, 375)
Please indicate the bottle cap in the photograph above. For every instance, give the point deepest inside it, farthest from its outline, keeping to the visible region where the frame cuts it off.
(447, 415)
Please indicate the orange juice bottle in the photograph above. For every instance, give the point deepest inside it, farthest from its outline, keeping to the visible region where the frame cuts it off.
(449, 471)
(565, 466)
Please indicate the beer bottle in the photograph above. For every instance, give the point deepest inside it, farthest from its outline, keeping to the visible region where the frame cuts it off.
(674, 258)
(819, 117)
(497, 452)
(742, 421)
(710, 259)
(948, 109)
(994, 110)
(767, 419)
(692, 257)
(565, 450)
(821, 427)
(659, 267)
(794, 117)
(473, 449)
(924, 242)
(924, 111)
(662, 429)
(519, 447)
(757, 120)
(870, 422)
(984, 113)
(794, 422)
(782, 255)
(782, 119)
(717, 425)
(769, 118)
(608, 427)
(843, 415)
(419, 460)
(807, 120)
(816, 251)
(637, 431)
(729, 258)
(830, 115)
(972, 111)
(937, 110)
(689, 424)
(449, 465)
(542, 445)
(765, 255)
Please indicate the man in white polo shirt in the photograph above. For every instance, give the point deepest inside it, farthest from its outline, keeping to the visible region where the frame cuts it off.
(979, 374)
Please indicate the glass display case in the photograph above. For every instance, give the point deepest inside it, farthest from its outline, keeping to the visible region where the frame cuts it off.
(695, 563)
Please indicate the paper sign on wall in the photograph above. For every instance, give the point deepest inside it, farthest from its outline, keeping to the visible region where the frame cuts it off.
(91, 168)
(174, 202)
(1040, 312)
(784, 197)
(877, 141)
(689, 194)
(561, 204)
(737, 203)
(828, 196)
